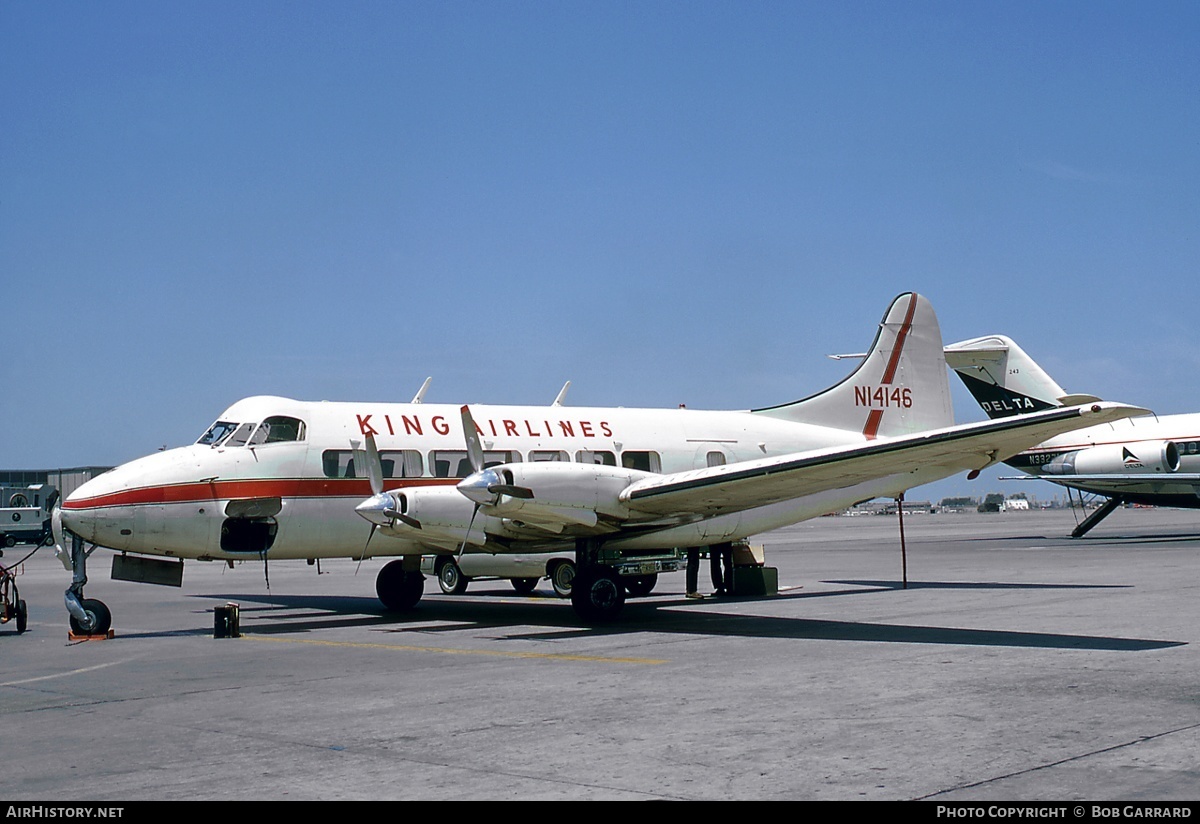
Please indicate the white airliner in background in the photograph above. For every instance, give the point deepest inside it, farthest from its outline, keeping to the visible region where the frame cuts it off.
(627, 489)
(1148, 459)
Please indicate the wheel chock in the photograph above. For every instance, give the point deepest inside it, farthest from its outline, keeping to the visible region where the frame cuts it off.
(79, 636)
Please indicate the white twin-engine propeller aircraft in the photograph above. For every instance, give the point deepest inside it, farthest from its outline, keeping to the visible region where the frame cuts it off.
(628, 489)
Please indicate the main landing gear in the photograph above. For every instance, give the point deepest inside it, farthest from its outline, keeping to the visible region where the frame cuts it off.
(596, 583)
(597, 592)
(1097, 516)
(400, 584)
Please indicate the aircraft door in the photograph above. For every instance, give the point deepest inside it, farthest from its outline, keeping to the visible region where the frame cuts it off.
(255, 525)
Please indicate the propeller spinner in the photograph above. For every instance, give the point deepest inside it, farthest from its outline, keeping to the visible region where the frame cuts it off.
(485, 485)
(382, 508)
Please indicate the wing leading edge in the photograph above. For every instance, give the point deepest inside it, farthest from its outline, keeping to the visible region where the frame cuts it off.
(933, 455)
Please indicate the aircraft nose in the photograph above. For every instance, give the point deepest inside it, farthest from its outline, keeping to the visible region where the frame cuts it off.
(94, 512)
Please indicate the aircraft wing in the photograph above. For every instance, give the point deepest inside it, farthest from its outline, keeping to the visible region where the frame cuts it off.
(765, 481)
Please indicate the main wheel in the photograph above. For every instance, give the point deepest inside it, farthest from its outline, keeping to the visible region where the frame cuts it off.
(561, 577)
(524, 586)
(98, 613)
(598, 596)
(22, 616)
(398, 589)
(451, 579)
(643, 585)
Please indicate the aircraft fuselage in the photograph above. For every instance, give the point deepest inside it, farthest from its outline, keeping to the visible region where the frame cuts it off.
(243, 495)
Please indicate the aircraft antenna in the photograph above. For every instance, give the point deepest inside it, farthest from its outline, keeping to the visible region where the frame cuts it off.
(420, 396)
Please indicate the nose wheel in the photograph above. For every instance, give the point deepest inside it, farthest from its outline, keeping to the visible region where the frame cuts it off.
(97, 619)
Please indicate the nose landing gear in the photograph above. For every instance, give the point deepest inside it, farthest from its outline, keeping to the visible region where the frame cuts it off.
(89, 618)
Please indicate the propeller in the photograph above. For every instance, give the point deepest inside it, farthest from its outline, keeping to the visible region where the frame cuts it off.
(381, 508)
(485, 485)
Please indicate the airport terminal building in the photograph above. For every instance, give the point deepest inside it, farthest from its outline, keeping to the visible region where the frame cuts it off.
(65, 481)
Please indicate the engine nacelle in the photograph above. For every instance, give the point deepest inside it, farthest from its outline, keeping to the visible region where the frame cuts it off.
(1138, 458)
(436, 514)
(567, 494)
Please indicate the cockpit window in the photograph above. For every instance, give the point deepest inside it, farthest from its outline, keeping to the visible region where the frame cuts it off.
(240, 435)
(278, 429)
(217, 433)
(275, 429)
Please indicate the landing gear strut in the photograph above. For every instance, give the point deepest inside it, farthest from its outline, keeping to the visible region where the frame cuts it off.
(88, 616)
(1096, 517)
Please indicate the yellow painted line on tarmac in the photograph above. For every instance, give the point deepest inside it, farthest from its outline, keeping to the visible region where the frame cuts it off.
(549, 656)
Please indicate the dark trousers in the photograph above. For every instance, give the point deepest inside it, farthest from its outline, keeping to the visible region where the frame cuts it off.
(721, 555)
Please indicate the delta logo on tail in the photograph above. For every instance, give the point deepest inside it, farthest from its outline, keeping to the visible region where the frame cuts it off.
(999, 402)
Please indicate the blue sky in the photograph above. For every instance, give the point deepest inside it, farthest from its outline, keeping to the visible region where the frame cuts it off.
(663, 202)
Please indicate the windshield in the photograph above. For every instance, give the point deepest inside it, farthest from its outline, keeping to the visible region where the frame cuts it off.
(216, 433)
(275, 429)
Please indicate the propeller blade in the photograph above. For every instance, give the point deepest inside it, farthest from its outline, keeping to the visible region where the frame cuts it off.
(374, 466)
(512, 491)
(474, 447)
(397, 515)
(470, 524)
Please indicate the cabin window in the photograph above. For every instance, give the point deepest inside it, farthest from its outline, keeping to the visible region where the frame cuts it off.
(596, 456)
(716, 458)
(402, 463)
(396, 463)
(455, 463)
(549, 455)
(645, 461)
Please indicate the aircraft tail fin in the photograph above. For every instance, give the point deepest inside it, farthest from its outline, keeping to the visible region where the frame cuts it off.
(900, 387)
(1004, 380)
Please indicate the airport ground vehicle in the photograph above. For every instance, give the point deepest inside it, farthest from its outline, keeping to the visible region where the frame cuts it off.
(455, 573)
(25, 514)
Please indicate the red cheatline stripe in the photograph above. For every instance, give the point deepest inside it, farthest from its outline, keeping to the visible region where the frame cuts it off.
(242, 490)
(873, 421)
(894, 361)
(875, 418)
